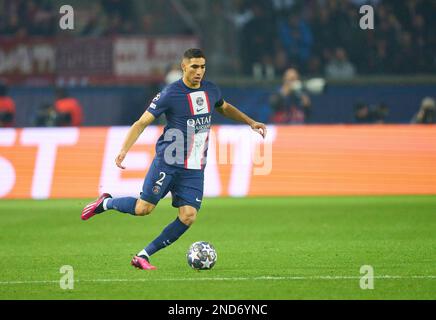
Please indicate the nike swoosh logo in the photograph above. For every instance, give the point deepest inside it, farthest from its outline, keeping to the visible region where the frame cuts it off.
(196, 199)
(198, 110)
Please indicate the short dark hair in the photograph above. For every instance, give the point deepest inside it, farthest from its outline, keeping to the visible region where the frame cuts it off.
(193, 53)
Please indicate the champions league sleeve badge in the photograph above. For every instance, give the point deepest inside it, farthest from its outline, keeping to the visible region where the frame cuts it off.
(156, 189)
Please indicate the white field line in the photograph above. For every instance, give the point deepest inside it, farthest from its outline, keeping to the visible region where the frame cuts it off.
(263, 278)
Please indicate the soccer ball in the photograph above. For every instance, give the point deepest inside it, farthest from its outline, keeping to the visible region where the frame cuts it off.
(201, 255)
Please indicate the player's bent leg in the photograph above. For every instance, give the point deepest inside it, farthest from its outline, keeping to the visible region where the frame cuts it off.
(128, 205)
(143, 207)
(169, 235)
(187, 214)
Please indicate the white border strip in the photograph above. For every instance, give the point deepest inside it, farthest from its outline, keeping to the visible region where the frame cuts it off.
(263, 278)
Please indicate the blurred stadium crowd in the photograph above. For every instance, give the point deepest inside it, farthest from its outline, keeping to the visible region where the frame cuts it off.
(316, 36)
(325, 36)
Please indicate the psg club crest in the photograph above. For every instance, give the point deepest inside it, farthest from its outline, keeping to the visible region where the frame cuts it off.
(198, 103)
(156, 189)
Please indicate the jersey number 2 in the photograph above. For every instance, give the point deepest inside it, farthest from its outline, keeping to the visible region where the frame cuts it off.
(162, 176)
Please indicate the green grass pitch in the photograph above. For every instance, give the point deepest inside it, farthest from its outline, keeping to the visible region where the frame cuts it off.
(268, 248)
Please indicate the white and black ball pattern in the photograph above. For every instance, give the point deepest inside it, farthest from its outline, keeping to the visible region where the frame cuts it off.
(201, 255)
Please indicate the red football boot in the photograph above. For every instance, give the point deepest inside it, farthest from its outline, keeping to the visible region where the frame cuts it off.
(142, 263)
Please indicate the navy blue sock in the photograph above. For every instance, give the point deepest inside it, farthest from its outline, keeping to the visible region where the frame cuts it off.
(170, 234)
(126, 204)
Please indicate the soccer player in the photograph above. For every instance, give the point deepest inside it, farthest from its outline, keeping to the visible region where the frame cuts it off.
(180, 153)
(7, 107)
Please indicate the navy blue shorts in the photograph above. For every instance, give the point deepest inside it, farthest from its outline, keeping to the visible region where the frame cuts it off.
(186, 185)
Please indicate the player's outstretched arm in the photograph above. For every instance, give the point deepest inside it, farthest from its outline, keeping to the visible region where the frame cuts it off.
(231, 112)
(134, 132)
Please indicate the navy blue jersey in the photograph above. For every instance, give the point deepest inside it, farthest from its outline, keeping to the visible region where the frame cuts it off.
(188, 112)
